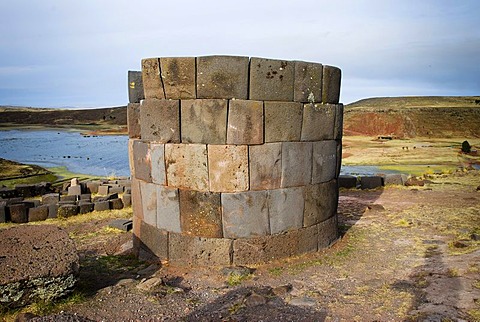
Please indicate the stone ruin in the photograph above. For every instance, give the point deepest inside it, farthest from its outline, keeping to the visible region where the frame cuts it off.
(234, 160)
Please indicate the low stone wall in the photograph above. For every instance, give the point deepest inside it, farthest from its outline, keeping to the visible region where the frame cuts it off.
(234, 160)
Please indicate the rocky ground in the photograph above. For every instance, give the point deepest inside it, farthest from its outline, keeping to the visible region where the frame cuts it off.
(406, 254)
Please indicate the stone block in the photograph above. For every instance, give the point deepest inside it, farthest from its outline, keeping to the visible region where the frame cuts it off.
(347, 181)
(204, 121)
(160, 120)
(75, 190)
(101, 205)
(283, 121)
(115, 190)
(74, 182)
(103, 190)
(157, 159)
(131, 157)
(338, 129)
(50, 198)
(112, 195)
(201, 213)
(324, 161)
(39, 213)
(296, 164)
(3, 211)
(222, 77)
(52, 210)
(327, 232)
(271, 80)
(285, 209)
(149, 202)
(268, 248)
(154, 240)
(142, 163)
(308, 82)
(84, 207)
(18, 213)
(168, 209)
(321, 202)
(152, 82)
(265, 166)
(69, 198)
(121, 224)
(198, 251)
(186, 166)
(116, 203)
(92, 186)
(245, 122)
(66, 202)
(178, 75)
(339, 158)
(65, 211)
(133, 120)
(245, 214)
(127, 200)
(86, 196)
(395, 179)
(135, 87)
(228, 168)
(370, 182)
(137, 206)
(318, 122)
(331, 84)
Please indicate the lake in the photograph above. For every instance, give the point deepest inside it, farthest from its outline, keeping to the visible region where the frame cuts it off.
(94, 155)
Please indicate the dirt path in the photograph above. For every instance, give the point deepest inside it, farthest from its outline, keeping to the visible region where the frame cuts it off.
(406, 254)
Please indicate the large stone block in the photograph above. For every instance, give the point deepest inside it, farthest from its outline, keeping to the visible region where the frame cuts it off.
(283, 121)
(324, 161)
(222, 77)
(191, 250)
(331, 84)
(18, 213)
(101, 205)
(318, 122)
(142, 162)
(296, 164)
(3, 211)
(204, 121)
(265, 166)
(327, 232)
(178, 75)
(168, 209)
(347, 181)
(308, 82)
(157, 160)
(85, 207)
(39, 213)
(321, 202)
(339, 158)
(201, 213)
(271, 80)
(65, 211)
(228, 168)
(268, 248)
(245, 214)
(160, 120)
(154, 240)
(152, 82)
(371, 182)
(285, 209)
(338, 130)
(245, 122)
(75, 190)
(186, 166)
(133, 120)
(137, 206)
(50, 198)
(395, 179)
(148, 192)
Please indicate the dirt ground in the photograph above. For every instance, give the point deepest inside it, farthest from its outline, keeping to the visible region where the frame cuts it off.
(406, 254)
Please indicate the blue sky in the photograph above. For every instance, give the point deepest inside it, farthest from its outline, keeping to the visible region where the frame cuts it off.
(62, 53)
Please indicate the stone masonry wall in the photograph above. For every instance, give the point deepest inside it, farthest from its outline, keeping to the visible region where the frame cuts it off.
(234, 160)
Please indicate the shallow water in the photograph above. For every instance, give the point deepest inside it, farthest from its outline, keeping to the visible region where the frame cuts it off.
(94, 155)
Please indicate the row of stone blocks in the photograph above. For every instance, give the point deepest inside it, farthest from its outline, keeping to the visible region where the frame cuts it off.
(234, 77)
(219, 121)
(53, 205)
(233, 168)
(372, 182)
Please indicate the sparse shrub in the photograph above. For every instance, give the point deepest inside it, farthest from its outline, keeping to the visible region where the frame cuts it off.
(466, 147)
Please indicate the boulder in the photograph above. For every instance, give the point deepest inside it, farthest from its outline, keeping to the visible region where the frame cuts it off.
(37, 262)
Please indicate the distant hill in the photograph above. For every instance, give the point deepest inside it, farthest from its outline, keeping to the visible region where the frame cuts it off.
(416, 116)
(114, 118)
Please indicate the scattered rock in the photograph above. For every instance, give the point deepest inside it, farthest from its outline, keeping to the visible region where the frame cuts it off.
(149, 284)
(475, 236)
(376, 207)
(122, 224)
(303, 301)
(460, 244)
(255, 299)
(282, 290)
(38, 263)
(237, 270)
(414, 182)
(149, 270)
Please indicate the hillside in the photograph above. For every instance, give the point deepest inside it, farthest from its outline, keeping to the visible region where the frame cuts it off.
(408, 117)
(111, 118)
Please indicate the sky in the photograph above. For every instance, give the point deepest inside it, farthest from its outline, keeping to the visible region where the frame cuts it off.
(66, 53)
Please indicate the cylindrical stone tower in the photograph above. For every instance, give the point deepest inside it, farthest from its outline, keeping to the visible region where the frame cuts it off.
(234, 160)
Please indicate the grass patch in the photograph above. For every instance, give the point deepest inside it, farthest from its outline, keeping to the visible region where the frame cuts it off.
(235, 279)
(276, 271)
